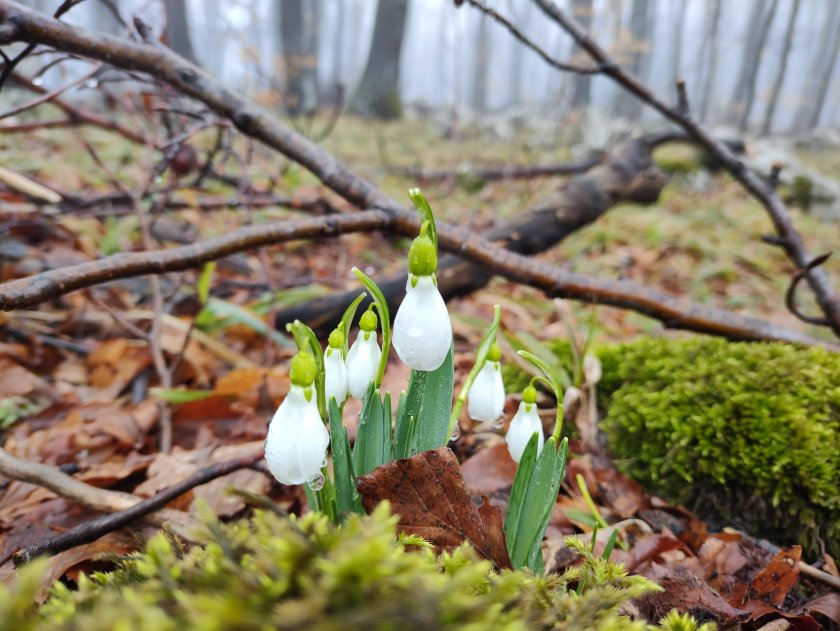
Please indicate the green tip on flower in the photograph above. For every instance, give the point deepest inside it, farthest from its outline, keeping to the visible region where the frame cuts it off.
(495, 353)
(303, 369)
(529, 395)
(422, 257)
(336, 338)
(368, 321)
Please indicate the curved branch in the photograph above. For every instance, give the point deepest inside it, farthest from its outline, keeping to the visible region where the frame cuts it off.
(762, 191)
(790, 294)
(89, 531)
(671, 311)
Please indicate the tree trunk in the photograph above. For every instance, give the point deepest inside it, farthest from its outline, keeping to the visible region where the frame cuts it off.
(298, 28)
(825, 76)
(641, 25)
(581, 85)
(711, 68)
(755, 64)
(780, 73)
(177, 29)
(378, 94)
(629, 175)
(481, 67)
(676, 40)
(518, 56)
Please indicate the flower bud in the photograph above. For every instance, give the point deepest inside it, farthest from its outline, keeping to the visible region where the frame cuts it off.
(422, 330)
(335, 377)
(302, 369)
(422, 256)
(363, 360)
(525, 423)
(486, 398)
(296, 443)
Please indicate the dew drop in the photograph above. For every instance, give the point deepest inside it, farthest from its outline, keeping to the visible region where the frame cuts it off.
(38, 81)
(317, 483)
(324, 462)
(456, 434)
(499, 423)
(91, 83)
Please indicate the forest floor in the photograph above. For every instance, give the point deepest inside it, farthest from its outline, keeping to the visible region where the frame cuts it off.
(80, 371)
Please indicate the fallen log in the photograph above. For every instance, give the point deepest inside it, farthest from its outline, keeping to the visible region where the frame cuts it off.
(628, 175)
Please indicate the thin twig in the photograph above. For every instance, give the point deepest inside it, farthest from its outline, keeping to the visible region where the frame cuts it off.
(790, 294)
(91, 530)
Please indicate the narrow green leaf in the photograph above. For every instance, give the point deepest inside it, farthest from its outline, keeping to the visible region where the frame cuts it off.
(204, 279)
(347, 320)
(401, 433)
(540, 498)
(345, 478)
(177, 396)
(519, 491)
(429, 399)
(535, 560)
(368, 433)
(387, 443)
(230, 313)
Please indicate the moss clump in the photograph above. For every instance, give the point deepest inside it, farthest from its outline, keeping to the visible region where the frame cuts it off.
(271, 572)
(748, 432)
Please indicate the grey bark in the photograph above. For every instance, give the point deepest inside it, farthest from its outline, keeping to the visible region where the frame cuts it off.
(481, 67)
(581, 84)
(641, 27)
(676, 40)
(829, 61)
(298, 27)
(751, 64)
(711, 67)
(378, 94)
(177, 29)
(767, 124)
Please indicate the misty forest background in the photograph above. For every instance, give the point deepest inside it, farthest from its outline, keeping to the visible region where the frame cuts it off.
(764, 66)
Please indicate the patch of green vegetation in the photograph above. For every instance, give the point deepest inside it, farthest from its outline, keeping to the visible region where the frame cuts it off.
(271, 572)
(746, 433)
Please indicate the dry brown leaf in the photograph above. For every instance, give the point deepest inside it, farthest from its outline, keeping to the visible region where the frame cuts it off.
(17, 381)
(429, 494)
(781, 575)
(826, 607)
(685, 591)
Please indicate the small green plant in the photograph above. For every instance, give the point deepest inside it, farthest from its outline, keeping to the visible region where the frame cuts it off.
(311, 416)
(275, 572)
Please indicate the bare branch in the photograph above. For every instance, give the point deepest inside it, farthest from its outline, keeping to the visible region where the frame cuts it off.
(671, 311)
(791, 240)
(89, 531)
(790, 294)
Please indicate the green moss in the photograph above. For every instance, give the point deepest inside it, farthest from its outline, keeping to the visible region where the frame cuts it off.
(746, 432)
(270, 572)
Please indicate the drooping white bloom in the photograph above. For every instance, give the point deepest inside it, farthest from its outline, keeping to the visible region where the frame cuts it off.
(335, 378)
(486, 398)
(297, 440)
(422, 330)
(525, 422)
(362, 363)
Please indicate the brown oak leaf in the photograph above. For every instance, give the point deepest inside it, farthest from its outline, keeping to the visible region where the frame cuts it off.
(429, 494)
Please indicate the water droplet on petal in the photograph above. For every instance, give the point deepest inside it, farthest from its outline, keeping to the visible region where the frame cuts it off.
(324, 462)
(499, 423)
(37, 81)
(317, 483)
(91, 83)
(456, 434)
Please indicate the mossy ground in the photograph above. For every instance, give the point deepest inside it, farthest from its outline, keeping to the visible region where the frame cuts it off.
(271, 572)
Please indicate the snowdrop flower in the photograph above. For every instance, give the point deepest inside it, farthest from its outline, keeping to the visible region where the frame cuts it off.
(335, 377)
(486, 399)
(363, 357)
(296, 444)
(422, 330)
(524, 424)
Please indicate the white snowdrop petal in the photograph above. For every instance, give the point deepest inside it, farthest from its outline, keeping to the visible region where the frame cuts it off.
(486, 398)
(297, 440)
(362, 363)
(335, 378)
(422, 330)
(525, 422)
